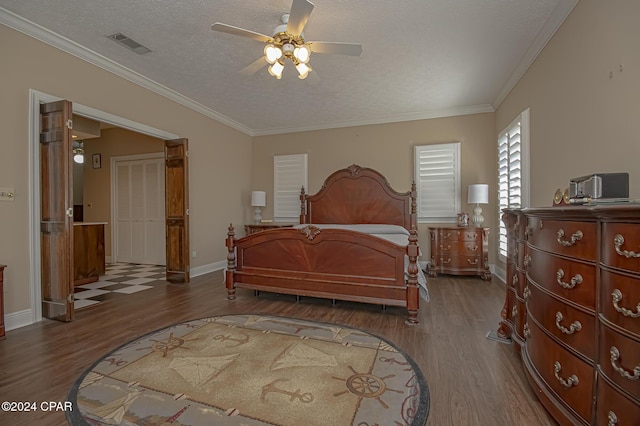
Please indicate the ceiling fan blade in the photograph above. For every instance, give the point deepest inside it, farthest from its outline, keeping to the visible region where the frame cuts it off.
(352, 49)
(254, 66)
(230, 29)
(299, 15)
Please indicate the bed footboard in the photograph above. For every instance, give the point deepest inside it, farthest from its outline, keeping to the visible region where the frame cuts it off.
(327, 263)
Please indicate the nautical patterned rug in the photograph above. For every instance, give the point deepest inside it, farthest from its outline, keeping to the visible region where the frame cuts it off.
(252, 370)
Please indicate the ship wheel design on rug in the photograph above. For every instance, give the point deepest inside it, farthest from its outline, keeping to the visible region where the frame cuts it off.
(366, 386)
(253, 370)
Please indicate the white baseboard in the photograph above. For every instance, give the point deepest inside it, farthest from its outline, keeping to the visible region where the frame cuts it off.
(500, 273)
(205, 269)
(18, 319)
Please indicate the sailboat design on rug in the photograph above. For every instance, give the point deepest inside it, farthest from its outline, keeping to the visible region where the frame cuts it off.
(199, 370)
(115, 410)
(301, 355)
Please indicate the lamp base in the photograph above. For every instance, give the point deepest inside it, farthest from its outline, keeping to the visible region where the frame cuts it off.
(257, 216)
(477, 219)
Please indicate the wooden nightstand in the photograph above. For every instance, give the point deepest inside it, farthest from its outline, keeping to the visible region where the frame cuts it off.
(460, 251)
(252, 229)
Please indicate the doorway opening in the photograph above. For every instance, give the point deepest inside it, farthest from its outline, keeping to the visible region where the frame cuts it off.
(35, 100)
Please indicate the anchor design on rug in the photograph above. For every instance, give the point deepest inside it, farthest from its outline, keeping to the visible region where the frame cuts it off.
(224, 338)
(271, 388)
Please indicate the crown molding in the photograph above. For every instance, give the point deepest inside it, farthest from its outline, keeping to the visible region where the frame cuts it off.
(38, 32)
(555, 20)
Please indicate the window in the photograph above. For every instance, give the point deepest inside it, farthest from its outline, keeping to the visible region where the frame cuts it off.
(437, 175)
(513, 171)
(289, 176)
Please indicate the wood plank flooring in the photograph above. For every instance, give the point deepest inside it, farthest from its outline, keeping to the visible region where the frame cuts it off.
(472, 380)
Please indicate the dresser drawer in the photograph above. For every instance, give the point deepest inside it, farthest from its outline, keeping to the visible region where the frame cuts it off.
(620, 300)
(470, 248)
(613, 408)
(453, 234)
(570, 238)
(571, 280)
(620, 359)
(573, 327)
(569, 377)
(621, 246)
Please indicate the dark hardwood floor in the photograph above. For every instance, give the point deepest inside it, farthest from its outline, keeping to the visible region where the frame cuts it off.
(472, 380)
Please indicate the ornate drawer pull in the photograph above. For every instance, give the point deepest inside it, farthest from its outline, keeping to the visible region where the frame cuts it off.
(446, 261)
(577, 279)
(474, 248)
(571, 381)
(575, 326)
(472, 262)
(527, 260)
(526, 293)
(615, 357)
(574, 238)
(514, 311)
(444, 249)
(472, 235)
(528, 231)
(514, 280)
(616, 297)
(613, 419)
(618, 241)
(526, 330)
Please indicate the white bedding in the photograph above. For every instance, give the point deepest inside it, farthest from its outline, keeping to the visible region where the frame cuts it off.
(394, 233)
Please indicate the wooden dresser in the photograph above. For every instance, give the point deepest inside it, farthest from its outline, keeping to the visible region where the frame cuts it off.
(572, 307)
(2, 330)
(459, 251)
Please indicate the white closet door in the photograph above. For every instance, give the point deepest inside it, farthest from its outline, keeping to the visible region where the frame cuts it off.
(140, 211)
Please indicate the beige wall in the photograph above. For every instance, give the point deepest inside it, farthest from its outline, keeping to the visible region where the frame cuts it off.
(584, 109)
(219, 167)
(97, 182)
(387, 148)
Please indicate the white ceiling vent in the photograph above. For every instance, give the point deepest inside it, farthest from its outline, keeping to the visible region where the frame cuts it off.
(129, 43)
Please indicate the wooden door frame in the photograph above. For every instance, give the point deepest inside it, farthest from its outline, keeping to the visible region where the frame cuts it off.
(35, 99)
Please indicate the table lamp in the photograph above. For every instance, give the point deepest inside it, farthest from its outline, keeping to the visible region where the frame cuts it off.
(478, 194)
(258, 200)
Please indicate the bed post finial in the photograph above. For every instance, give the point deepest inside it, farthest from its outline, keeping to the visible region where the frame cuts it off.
(231, 263)
(414, 206)
(303, 199)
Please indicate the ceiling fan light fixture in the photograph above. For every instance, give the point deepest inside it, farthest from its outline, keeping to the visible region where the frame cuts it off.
(276, 70)
(302, 53)
(303, 70)
(288, 49)
(272, 53)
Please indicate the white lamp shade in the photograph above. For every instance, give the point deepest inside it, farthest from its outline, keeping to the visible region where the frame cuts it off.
(258, 199)
(478, 193)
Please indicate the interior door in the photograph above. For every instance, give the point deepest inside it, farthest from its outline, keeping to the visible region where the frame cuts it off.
(140, 217)
(176, 156)
(56, 210)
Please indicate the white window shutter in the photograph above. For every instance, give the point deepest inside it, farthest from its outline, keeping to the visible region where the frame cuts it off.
(437, 175)
(289, 176)
(513, 172)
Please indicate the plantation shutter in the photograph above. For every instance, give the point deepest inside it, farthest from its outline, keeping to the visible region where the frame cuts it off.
(437, 169)
(512, 171)
(289, 176)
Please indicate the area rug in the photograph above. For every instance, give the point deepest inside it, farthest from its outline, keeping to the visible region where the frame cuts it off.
(252, 370)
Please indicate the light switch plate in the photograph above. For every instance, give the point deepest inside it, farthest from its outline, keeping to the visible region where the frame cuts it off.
(6, 194)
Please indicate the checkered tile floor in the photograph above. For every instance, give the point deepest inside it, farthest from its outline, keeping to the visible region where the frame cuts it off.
(119, 280)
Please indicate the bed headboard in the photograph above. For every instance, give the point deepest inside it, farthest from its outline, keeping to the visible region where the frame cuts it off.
(359, 195)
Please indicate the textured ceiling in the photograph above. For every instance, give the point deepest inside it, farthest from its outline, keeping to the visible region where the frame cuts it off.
(421, 58)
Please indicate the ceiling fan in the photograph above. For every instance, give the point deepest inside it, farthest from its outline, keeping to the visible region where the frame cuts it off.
(288, 42)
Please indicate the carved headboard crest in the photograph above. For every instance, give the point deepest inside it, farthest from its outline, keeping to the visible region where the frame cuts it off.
(354, 169)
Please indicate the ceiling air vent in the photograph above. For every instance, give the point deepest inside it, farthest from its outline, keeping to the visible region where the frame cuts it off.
(129, 43)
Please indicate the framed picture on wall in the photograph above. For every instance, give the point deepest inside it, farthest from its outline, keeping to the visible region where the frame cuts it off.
(97, 161)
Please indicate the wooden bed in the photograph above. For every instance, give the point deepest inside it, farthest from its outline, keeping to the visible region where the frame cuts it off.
(337, 263)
